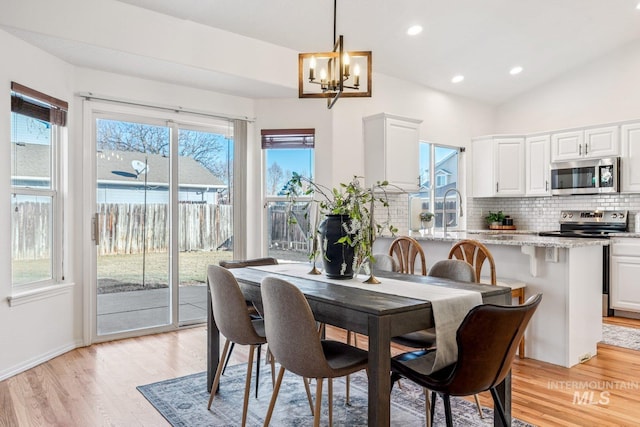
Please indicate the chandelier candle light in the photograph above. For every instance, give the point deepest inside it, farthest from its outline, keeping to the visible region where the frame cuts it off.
(336, 79)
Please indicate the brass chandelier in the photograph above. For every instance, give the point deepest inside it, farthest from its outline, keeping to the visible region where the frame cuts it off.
(340, 72)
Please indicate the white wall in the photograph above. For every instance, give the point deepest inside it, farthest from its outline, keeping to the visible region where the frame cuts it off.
(603, 91)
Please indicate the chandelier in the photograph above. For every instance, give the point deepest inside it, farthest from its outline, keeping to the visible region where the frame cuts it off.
(340, 72)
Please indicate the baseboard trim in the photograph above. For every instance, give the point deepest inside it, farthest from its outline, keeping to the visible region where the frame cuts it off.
(33, 362)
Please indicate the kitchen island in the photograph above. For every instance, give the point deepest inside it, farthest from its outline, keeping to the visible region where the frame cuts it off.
(567, 271)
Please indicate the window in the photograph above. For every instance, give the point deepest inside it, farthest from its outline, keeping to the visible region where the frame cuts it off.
(286, 151)
(439, 164)
(37, 129)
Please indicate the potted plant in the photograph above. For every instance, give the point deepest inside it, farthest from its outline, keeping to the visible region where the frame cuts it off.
(426, 219)
(349, 229)
(495, 218)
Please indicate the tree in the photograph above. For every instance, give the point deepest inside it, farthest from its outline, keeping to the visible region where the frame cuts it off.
(275, 178)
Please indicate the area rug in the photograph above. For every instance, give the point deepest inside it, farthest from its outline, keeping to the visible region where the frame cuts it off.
(621, 336)
(183, 402)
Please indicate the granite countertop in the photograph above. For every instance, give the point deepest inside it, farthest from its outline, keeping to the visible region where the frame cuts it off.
(513, 238)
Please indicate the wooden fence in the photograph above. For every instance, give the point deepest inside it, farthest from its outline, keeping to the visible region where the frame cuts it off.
(124, 228)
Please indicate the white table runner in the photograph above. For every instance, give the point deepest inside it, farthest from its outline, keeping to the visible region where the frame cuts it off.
(449, 305)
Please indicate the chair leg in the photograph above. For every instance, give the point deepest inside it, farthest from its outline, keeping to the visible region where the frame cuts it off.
(226, 361)
(447, 410)
(330, 401)
(216, 380)
(497, 406)
(274, 397)
(258, 370)
(478, 405)
(317, 412)
(427, 407)
(247, 386)
(395, 377)
(273, 367)
(308, 390)
(433, 406)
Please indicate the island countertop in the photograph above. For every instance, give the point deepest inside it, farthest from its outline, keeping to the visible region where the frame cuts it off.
(512, 238)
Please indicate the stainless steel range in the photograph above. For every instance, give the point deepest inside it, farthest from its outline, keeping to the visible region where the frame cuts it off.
(596, 224)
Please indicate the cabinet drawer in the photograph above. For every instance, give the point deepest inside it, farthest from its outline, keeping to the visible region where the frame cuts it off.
(626, 249)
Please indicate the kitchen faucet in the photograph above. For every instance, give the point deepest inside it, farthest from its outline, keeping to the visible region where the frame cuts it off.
(444, 207)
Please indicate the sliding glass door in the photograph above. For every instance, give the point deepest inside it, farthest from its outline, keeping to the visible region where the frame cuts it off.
(163, 213)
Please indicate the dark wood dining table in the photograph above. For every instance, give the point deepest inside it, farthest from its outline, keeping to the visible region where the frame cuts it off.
(379, 316)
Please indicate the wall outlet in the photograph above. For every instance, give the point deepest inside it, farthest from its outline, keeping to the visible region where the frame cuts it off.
(585, 357)
(551, 254)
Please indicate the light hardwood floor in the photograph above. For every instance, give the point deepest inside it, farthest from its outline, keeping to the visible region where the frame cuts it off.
(95, 386)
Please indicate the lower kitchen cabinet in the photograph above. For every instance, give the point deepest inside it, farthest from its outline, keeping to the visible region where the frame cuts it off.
(625, 270)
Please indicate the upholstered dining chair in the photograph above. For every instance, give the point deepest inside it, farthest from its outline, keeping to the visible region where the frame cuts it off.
(296, 345)
(484, 360)
(406, 250)
(233, 320)
(253, 312)
(384, 262)
(475, 253)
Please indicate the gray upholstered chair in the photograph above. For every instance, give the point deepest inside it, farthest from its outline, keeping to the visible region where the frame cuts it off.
(233, 320)
(296, 345)
(384, 262)
(253, 311)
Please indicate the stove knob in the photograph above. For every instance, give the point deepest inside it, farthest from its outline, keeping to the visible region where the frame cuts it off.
(614, 215)
(570, 215)
(620, 215)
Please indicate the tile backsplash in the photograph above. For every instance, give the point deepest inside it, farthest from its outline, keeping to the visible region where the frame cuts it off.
(528, 213)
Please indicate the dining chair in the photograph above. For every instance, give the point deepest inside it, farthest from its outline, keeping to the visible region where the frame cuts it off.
(384, 262)
(484, 360)
(253, 311)
(296, 345)
(406, 250)
(476, 253)
(233, 321)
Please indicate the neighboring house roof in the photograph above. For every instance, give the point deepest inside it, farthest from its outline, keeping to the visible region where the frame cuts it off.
(32, 161)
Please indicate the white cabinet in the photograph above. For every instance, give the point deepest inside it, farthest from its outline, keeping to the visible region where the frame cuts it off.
(625, 270)
(391, 147)
(630, 161)
(537, 158)
(498, 166)
(588, 143)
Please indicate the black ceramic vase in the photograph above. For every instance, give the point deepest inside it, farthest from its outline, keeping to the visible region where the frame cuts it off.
(335, 254)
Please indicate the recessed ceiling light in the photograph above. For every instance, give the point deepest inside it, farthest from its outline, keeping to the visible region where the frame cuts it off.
(638, 6)
(414, 30)
(515, 70)
(457, 79)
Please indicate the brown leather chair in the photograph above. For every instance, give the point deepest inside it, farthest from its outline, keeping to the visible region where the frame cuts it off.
(406, 250)
(475, 253)
(484, 360)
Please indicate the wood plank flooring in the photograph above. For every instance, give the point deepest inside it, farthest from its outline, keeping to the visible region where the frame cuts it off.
(95, 386)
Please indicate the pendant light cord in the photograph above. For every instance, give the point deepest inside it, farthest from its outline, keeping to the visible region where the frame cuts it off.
(334, 21)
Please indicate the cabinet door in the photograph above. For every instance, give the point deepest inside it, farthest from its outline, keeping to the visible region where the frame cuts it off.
(601, 142)
(402, 153)
(537, 149)
(630, 161)
(625, 287)
(567, 146)
(509, 166)
(484, 183)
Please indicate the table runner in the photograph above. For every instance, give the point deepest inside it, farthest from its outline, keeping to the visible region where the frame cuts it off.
(449, 305)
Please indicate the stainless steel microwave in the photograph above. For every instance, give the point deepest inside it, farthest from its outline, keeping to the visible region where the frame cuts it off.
(586, 176)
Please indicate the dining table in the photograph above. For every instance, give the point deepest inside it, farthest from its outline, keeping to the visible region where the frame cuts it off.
(364, 310)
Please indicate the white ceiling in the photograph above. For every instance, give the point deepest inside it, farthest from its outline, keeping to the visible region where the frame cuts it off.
(481, 39)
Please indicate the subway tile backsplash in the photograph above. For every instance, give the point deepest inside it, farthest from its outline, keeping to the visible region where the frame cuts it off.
(528, 213)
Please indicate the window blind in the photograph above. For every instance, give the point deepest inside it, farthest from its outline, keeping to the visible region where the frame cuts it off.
(288, 138)
(31, 103)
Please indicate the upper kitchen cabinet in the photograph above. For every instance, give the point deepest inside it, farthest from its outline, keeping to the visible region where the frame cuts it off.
(537, 158)
(630, 161)
(588, 143)
(391, 150)
(498, 166)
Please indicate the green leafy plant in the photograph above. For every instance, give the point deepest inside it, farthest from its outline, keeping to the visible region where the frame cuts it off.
(426, 216)
(356, 202)
(495, 217)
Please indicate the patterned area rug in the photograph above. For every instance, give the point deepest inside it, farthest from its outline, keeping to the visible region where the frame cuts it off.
(183, 402)
(621, 336)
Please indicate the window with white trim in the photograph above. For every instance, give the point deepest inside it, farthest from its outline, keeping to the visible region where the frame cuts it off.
(37, 128)
(439, 165)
